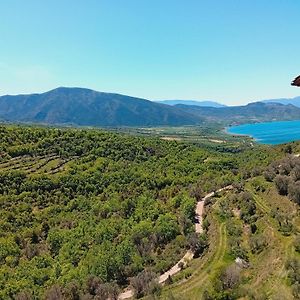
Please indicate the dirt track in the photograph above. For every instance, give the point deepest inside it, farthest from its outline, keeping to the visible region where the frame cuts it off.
(129, 292)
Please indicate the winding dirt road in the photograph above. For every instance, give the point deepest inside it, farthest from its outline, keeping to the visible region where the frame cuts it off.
(129, 292)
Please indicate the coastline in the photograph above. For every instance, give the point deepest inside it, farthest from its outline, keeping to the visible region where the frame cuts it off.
(267, 133)
(226, 131)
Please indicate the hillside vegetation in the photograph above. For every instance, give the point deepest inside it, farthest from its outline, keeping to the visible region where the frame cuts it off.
(85, 212)
(253, 233)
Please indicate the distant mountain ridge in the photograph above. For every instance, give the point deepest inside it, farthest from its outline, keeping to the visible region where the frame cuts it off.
(294, 101)
(252, 112)
(84, 107)
(192, 102)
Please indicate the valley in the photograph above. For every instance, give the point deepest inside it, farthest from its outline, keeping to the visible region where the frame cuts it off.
(149, 150)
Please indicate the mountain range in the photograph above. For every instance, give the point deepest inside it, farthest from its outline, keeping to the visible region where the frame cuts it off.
(252, 112)
(294, 101)
(85, 107)
(192, 102)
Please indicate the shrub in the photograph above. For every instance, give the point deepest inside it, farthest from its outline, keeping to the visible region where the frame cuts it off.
(282, 183)
(269, 174)
(54, 293)
(297, 243)
(197, 243)
(143, 283)
(294, 192)
(234, 229)
(230, 277)
(296, 173)
(296, 290)
(257, 243)
(293, 267)
(23, 296)
(253, 227)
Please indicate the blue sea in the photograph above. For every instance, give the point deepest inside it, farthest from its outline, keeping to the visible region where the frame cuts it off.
(272, 133)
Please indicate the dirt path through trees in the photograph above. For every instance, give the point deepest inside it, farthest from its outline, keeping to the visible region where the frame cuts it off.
(129, 292)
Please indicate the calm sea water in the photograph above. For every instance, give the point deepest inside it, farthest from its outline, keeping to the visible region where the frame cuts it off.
(271, 132)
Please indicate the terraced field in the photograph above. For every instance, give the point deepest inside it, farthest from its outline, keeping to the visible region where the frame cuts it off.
(49, 164)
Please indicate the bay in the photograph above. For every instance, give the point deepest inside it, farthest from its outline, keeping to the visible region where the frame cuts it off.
(272, 133)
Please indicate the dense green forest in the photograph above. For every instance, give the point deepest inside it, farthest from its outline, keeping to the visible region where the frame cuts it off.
(84, 211)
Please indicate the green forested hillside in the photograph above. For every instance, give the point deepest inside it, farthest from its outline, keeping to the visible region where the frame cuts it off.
(85, 107)
(254, 244)
(84, 211)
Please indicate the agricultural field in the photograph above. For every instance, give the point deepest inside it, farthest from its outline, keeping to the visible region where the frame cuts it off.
(213, 135)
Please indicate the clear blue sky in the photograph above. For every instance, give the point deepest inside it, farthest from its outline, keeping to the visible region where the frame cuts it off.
(232, 51)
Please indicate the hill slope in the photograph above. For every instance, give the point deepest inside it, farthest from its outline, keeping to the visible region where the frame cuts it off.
(82, 208)
(73, 217)
(86, 107)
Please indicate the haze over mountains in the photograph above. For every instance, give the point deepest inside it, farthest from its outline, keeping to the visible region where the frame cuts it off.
(294, 101)
(252, 112)
(192, 102)
(85, 107)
